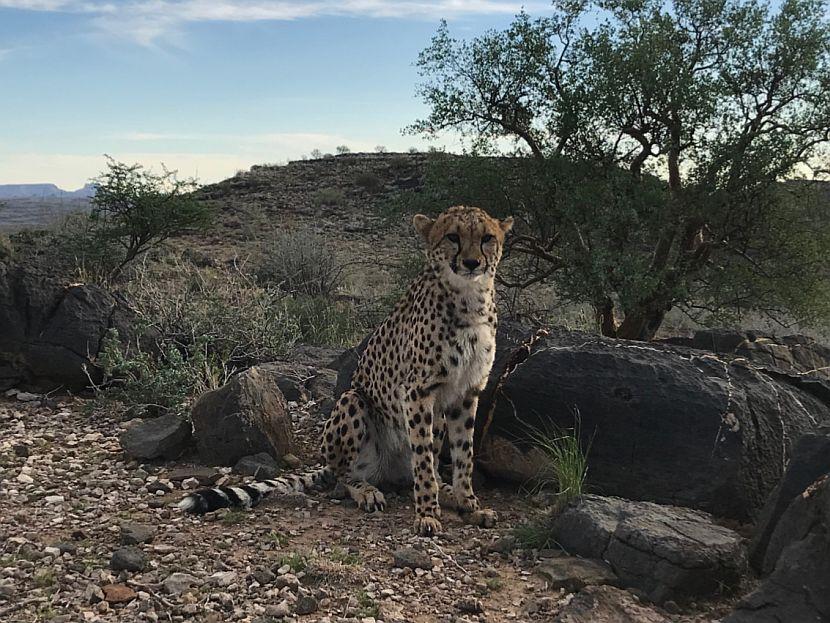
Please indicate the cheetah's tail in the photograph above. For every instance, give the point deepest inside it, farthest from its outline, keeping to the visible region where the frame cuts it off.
(246, 496)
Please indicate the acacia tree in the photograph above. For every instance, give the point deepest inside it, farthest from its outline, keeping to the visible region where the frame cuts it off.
(135, 210)
(665, 138)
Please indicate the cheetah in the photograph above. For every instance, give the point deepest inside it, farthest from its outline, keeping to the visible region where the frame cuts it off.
(417, 382)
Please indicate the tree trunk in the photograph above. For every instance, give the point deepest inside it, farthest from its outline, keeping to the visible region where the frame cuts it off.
(643, 324)
(604, 316)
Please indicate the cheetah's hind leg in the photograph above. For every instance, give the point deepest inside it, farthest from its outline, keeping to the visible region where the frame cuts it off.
(345, 437)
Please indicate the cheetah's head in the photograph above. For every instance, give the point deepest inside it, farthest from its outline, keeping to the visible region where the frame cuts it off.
(464, 242)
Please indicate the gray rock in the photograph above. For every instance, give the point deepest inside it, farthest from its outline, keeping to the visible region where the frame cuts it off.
(306, 604)
(205, 476)
(279, 611)
(574, 574)
(322, 384)
(261, 466)
(7, 591)
(412, 558)
(135, 533)
(809, 461)
(178, 583)
(606, 604)
(796, 590)
(246, 416)
(163, 437)
(264, 576)
(51, 331)
(128, 559)
(666, 551)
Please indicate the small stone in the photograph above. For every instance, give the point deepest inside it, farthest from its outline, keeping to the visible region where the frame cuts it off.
(135, 533)
(306, 604)
(223, 578)
(205, 475)
(93, 594)
(470, 605)
(412, 558)
(287, 580)
(178, 583)
(279, 611)
(504, 545)
(190, 483)
(118, 593)
(53, 499)
(261, 466)
(264, 576)
(128, 559)
(291, 461)
(21, 450)
(25, 479)
(66, 548)
(27, 397)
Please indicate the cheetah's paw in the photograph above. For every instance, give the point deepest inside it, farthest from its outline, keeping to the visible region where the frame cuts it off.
(370, 500)
(427, 526)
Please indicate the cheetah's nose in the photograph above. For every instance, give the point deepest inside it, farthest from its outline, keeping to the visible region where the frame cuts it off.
(471, 265)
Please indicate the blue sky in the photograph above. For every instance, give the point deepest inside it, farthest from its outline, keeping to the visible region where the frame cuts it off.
(209, 87)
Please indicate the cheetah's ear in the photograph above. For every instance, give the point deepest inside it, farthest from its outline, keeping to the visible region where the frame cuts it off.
(423, 224)
(507, 224)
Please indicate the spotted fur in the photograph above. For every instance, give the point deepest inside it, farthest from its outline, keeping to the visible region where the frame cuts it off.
(416, 383)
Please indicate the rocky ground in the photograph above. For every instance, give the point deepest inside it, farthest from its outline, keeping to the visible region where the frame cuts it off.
(87, 535)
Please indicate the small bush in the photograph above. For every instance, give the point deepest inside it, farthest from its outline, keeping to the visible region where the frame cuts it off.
(380, 149)
(343, 149)
(324, 322)
(222, 311)
(6, 248)
(299, 263)
(369, 182)
(567, 466)
(328, 197)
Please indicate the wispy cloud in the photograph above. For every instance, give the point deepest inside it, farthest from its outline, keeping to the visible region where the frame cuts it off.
(146, 21)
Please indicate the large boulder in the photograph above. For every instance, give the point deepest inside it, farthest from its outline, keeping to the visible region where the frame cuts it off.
(665, 423)
(665, 551)
(246, 416)
(797, 588)
(50, 332)
(810, 460)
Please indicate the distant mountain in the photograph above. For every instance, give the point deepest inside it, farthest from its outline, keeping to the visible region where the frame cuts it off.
(39, 191)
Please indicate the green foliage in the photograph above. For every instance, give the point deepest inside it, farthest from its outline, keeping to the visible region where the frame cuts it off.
(366, 606)
(328, 197)
(344, 556)
(237, 321)
(567, 462)
(299, 263)
(6, 248)
(660, 138)
(370, 182)
(534, 534)
(163, 382)
(296, 562)
(322, 321)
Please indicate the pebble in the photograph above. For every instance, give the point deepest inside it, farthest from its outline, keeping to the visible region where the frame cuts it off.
(128, 559)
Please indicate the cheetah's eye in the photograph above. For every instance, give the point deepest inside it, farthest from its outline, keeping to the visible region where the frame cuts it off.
(453, 238)
(486, 238)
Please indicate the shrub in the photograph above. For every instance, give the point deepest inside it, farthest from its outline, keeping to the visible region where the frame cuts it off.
(299, 263)
(223, 311)
(369, 182)
(324, 322)
(6, 248)
(328, 197)
(343, 149)
(380, 149)
(164, 381)
(567, 462)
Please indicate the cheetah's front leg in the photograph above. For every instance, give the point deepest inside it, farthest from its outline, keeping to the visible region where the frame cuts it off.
(418, 413)
(460, 429)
